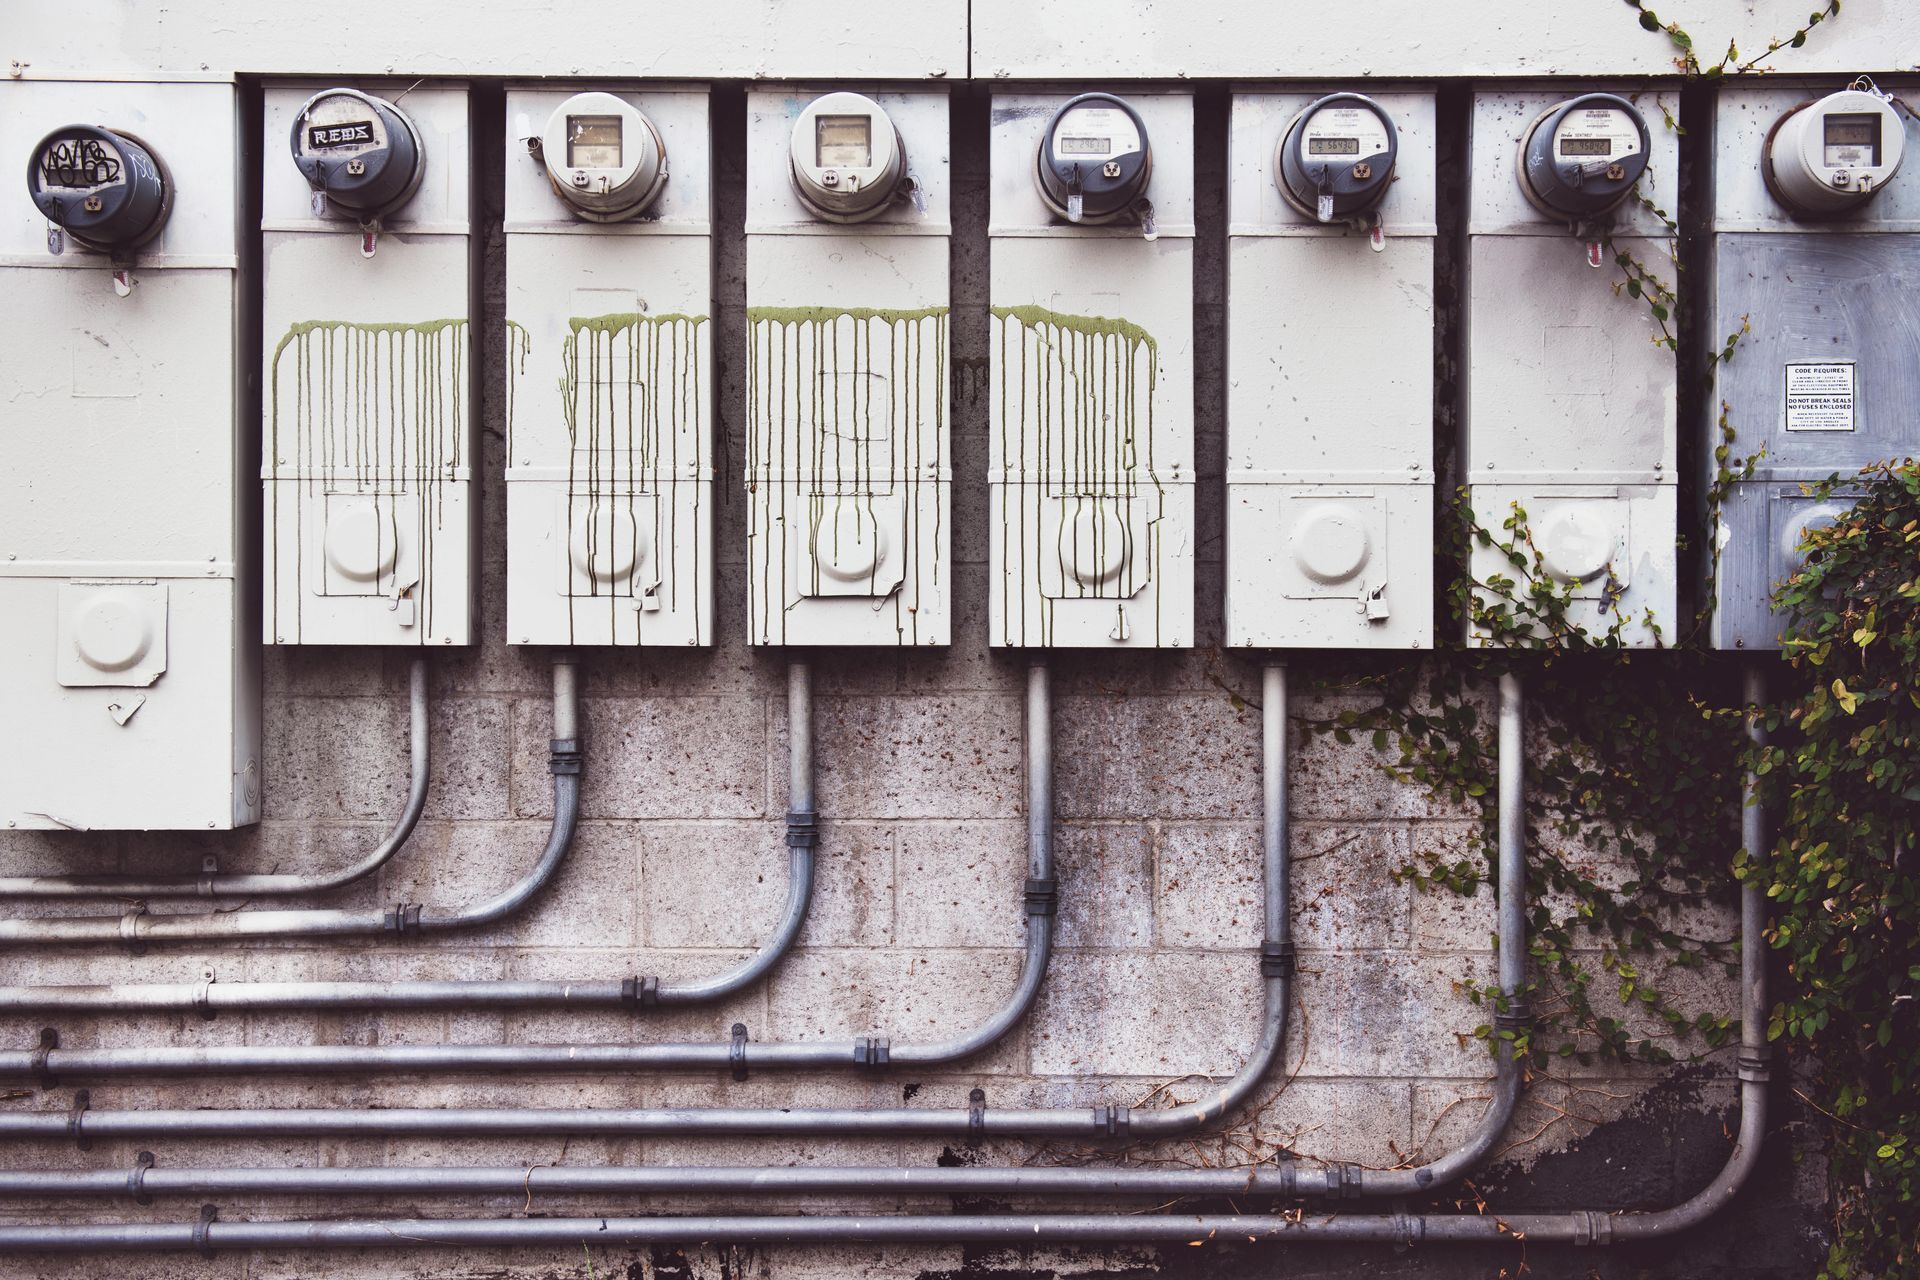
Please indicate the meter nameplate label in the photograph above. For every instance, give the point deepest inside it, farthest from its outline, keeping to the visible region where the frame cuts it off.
(1820, 397)
(1343, 131)
(348, 133)
(1095, 133)
(1596, 133)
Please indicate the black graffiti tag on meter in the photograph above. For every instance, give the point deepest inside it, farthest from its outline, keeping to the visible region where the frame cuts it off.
(79, 164)
(348, 133)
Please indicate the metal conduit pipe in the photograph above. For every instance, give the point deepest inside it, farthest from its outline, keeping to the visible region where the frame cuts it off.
(1288, 1180)
(736, 1054)
(214, 884)
(49, 1061)
(209, 998)
(404, 918)
(1577, 1227)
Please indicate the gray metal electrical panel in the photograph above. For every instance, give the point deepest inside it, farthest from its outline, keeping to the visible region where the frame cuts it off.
(1827, 379)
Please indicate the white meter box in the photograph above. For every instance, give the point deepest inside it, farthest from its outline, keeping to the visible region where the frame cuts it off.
(1815, 250)
(1090, 476)
(849, 468)
(1329, 476)
(368, 380)
(609, 367)
(1570, 410)
(128, 671)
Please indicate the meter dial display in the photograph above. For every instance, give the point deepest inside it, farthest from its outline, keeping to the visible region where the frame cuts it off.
(1829, 157)
(604, 158)
(1336, 158)
(107, 190)
(1095, 161)
(846, 158)
(1583, 156)
(361, 152)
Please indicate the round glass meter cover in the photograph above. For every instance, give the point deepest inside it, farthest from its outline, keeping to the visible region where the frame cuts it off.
(1596, 133)
(1095, 133)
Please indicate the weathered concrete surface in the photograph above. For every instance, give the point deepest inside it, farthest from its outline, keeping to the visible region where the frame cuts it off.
(917, 925)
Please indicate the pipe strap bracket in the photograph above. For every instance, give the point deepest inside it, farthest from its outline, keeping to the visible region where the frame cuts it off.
(1278, 960)
(1592, 1228)
(871, 1051)
(1043, 896)
(137, 1179)
(208, 1212)
(130, 929)
(563, 755)
(803, 828)
(737, 1051)
(1112, 1122)
(1344, 1181)
(37, 1064)
(642, 993)
(203, 997)
(1755, 1065)
(76, 1115)
(404, 919)
(1517, 1016)
(976, 1116)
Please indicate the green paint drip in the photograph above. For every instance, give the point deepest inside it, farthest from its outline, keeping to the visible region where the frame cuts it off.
(377, 410)
(813, 443)
(623, 450)
(1074, 399)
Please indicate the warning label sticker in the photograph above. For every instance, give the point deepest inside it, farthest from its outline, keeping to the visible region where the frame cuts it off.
(1820, 396)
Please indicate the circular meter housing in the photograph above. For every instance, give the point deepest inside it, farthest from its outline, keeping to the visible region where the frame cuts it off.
(1581, 157)
(1829, 157)
(107, 190)
(361, 152)
(848, 162)
(1095, 160)
(1336, 158)
(604, 157)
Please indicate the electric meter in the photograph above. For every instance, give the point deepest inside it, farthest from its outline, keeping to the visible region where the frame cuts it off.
(361, 152)
(1582, 156)
(105, 189)
(1095, 160)
(603, 157)
(1827, 157)
(848, 161)
(1336, 158)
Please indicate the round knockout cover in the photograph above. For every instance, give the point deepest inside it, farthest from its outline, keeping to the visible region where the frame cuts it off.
(1582, 156)
(848, 162)
(1336, 158)
(1828, 157)
(604, 157)
(361, 152)
(1094, 161)
(105, 189)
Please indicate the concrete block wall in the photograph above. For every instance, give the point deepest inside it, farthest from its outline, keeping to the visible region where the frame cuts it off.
(917, 927)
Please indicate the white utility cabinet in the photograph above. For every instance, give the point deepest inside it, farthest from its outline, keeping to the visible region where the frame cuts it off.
(1329, 393)
(129, 674)
(1570, 410)
(848, 455)
(609, 374)
(1090, 476)
(368, 383)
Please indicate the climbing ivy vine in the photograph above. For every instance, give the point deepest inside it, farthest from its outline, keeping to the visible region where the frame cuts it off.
(1844, 876)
